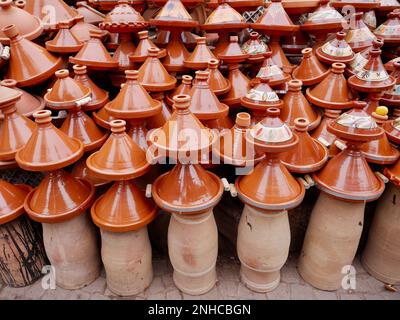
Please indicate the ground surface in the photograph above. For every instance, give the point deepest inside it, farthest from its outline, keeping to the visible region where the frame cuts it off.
(292, 286)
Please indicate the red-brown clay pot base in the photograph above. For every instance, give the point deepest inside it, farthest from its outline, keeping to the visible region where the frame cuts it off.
(310, 71)
(12, 200)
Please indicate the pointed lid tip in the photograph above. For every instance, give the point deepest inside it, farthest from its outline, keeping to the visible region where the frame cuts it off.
(8, 95)
(243, 119)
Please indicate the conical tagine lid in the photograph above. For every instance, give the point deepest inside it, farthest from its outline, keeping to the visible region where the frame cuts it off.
(224, 17)
(29, 26)
(310, 71)
(255, 48)
(133, 101)
(240, 85)
(261, 96)
(103, 118)
(38, 64)
(361, 58)
(91, 15)
(123, 208)
(205, 104)
(308, 155)
(333, 92)
(323, 18)
(358, 4)
(272, 72)
(389, 31)
(81, 30)
(81, 171)
(187, 189)
(174, 15)
(233, 53)
(393, 173)
(142, 50)
(359, 36)
(391, 97)
(335, 50)
(48, 148)
(201, 55)
(69, 198)
(218, 84)
(11, 200)
(64, 41)
(183, 89)
(120, 158)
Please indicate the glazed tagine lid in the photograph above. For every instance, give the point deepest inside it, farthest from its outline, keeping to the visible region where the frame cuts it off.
(64, 41)
(347, 176)
(389, 66)
(272, 72)
(393, 173)
(261, 96)
(69, 198)
(224, 17)
(359, 36)
(295, 105)
(27, 104)
(66, 93)
(310, 71)
(233, 148)
(255, 48)
(12, 200)
(159, 119)
(152, 74)
(204, 103)
(120, 158)
(81, 30)
(380, 151)
(240, 85)
(173, 15)
(233, 53)
(103, 118)
(309, 155)
(91, 15)
(389, 31)
(388, 5)
(93, 54)
(322, 134)
(123, 208)
(29, 26)
(218, 84)
(240, 5)
(15, 129)
(275, 21)
(373, 77)
(99, 97)
(123, 18)
(200, 56)
(391, 97)
(38, 64)
(361, 58)
(335, 50)
(133, 101)
(358, 4)
(48, 148)
(270, 186)
(142, 50)
(183, 89)
(332, 92)
(81, 171)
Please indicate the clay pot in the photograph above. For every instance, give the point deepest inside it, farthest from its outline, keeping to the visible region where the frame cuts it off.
(64, 42)
(358, 4)
(255, 48)
(232, 53)
(293, 44)
(173, 15)
(269, 70)
(183, 89)
(361, 58)
(176, 54)
(224, 17)
(123, 51)
(310, 71)
(159, 119)
(218, 84)
(90, 14)
(141, 52)
(322, 134)
(389, 30)
(81, 171)
(81, 29)
(200, 57)
(330, 242)
(240, 85)
(391, 97)
(373, 102)
(359, 36)
(336, 50)
(28, 73)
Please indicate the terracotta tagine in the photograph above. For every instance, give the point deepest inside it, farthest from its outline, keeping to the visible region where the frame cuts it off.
(63, 214)
(295, 105)
(360, 5)
(64, 42)
(310, 71)
(293, 44)
(141, 52)
(158, 120)
(392, 129)
(232, 53)
(39, 64)
(268, 192)
(90, 14)
(361, 58)
(240, 85)
(123, 212)
(269, 70)
(255, 48)
(332, 92)
(218, 84)
(29, 26)
(81, 29)
(107, 5)
(388, 5)
(391, 97)
(309, 155)
(22, 256)
(81, 171)
(359, 36)
(183, 88)
(27, 104)
(239, 5)
(389, 31)
(200, 57)
(346, 182)
(335, 50)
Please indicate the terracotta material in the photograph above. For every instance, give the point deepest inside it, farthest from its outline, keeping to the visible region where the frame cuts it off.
(73, 251)
(270, 186)
(255, 48)
(295, 105)
(81, 171)
(64, 42)
(239, 5)
(224, 17)
(359, 36)
(392, 129)
(38, 64)
(142, 50)
(309, 155)
(389, 66)
(204, 103)
(380, 151)
(272, 72)
(388, 5)
(310, 71)
(123, 51)
(176, 54)
(120, 158)
(201, 55)
(90, 14)
(294, 43)
(153, 76)
(389, 31)
(15, 129)
(183, 89)
(361, 58)
(233, 148)
(81, 30)
(267, 233)
(335, 50)
(12, 202)
(30, 26)
(159, 119)
(373, 102)
(218, 124)
(240, 85)
(391, 97)
(278, 56)
(331, 241)
(295, 7)
(107, 5)
(381, 256)
(93, 54)
(333, 92)
(358, 4)
(127, 260)
(218, 84)
(102, 118)
(339, 178)
(174, 15)
(233, 53)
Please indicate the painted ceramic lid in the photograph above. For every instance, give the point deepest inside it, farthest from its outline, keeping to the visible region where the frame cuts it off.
(261, 96)
(183, 89)
(133, 101)
(335, 50)
(12, 200)
(361, 58)
(224, 17)
(187, 189)
(142, 50)
(272, 72)
(233, 53)
(66, 93)
(69, 198)
(64, 41)
(30, 26)
(389, 31)
(120, 158)
(123, 208)
(123, 18)
(201, 55)
(152, 74)
(389, 66)
(48, 148)
(218, 84)
(310, 71)
(174, 15)
(391, 97)
(332, 92)
(359, 36)
(255, 48)
(324, 17)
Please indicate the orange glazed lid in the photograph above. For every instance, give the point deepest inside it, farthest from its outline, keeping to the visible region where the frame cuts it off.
(183, 88)
(64, 41)
(142, 50)
(224, 17)
(218, 84)
(392, 129)
(200, 56)
(233, 53)
(174, 15)
(12, 200)
(310, 71)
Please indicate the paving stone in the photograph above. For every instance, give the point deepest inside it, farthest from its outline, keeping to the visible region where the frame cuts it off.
(34, 291)
(160, 267)
(156, 296)
(351, 296)
(173, 294)
(97, 286)
(9, 293)
(325, 295)
(168, 281)
(301, 292)
(228, 288)
(245, 293)
(213, 294)
(282, 292)
(290, 275)
(99, 296)
(372, 296)
(156, 286)
(62, 294)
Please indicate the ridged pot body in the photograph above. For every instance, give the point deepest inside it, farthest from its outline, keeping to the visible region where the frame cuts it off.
(263, 247)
